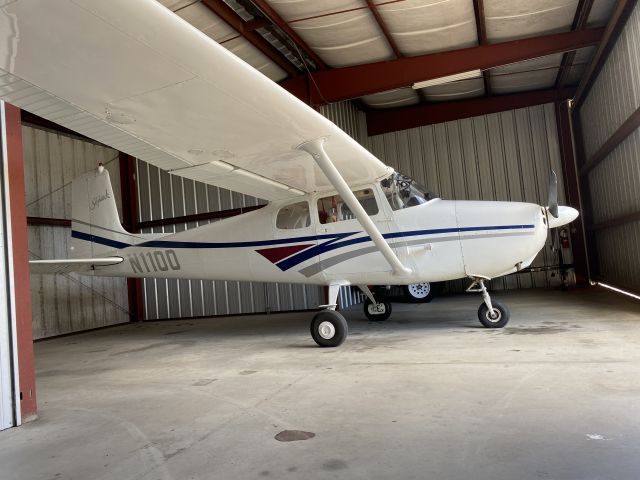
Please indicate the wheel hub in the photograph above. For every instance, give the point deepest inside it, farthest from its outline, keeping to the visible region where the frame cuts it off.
(494, 316)
(327, 330)
(419, 290)
(377, 309)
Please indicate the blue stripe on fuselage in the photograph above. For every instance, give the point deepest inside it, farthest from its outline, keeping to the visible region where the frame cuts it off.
(99, 240)
(256, 243)
(334, 241)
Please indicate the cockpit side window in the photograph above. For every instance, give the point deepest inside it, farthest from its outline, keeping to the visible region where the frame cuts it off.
(293, 216)
(404, 192)
(333, 209)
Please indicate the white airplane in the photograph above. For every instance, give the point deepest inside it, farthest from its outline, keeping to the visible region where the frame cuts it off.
(136, 77)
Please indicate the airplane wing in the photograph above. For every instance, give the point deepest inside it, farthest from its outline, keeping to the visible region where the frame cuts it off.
(135, 76)
(71, 265)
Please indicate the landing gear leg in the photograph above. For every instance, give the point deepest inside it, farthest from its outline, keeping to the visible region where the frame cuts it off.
(491, 314)
(328, 327)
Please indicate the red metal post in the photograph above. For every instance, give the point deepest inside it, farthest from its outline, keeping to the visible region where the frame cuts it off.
(586, 212)
(20, 251)
(129, 188)
(481, 30)
(572, 189)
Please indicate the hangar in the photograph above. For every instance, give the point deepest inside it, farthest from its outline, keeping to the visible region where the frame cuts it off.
(146, 376)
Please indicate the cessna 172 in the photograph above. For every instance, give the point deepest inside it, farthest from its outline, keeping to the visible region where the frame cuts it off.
(135, 76)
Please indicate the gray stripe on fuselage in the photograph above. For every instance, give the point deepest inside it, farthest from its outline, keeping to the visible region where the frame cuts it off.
(316, 268)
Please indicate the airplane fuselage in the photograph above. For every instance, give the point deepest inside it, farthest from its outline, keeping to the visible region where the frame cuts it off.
(438, 240)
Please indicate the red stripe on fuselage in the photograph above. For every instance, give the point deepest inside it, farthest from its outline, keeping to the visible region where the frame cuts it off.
(276, 254)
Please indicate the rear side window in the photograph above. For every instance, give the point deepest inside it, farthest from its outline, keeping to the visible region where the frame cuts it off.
(294, 216)
(333, 209)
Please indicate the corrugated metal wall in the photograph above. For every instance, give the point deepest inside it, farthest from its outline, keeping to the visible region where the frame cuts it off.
(66, 303)
(502, 156)
(614, 184)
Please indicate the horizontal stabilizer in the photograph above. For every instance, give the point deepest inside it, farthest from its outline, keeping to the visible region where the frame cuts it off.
(71, 265)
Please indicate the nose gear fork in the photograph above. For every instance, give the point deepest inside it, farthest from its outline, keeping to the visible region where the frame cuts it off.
(477, 286)
(491, 314)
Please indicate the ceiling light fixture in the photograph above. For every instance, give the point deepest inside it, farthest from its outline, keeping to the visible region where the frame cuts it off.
(448, 79)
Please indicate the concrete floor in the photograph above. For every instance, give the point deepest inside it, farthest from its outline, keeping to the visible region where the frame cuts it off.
(428, 394)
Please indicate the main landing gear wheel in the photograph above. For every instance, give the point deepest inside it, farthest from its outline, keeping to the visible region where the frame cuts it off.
(329, 328)
(419, 292)
(377, 312)
(496, 319)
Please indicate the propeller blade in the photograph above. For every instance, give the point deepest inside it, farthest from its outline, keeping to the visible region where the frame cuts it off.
(553, 194)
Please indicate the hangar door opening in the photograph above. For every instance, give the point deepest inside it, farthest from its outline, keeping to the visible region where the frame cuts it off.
(7, 398)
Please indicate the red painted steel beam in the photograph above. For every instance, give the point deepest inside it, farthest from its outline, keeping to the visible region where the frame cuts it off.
(579, 22)
(129, 197)
(385, 30)
(585, 197)
(20, 252)
(614, 28)
(248, 31)
(198, 217)
(272, 15)
(28, 118)
(390, 120)
(572, 190)
(481, 30)
(351, 82)
(616, 222)
(627, 128)
(49, 222)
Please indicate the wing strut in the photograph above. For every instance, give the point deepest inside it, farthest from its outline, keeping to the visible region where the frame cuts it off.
(315, 148)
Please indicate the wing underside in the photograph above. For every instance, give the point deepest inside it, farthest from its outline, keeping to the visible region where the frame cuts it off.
(138, 78)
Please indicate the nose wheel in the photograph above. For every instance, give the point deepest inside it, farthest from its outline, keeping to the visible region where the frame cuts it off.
(491, 314)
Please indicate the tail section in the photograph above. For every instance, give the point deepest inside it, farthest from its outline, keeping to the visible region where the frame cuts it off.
(95, 225)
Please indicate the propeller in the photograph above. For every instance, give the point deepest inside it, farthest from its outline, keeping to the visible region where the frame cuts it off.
(553, 194)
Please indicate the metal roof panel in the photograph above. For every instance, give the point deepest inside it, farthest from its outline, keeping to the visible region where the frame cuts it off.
(514, 19)
(420, 26)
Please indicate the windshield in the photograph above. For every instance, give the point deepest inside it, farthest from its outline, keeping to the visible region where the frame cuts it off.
(404, 192)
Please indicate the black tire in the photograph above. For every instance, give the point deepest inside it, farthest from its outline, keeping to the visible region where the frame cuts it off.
(419, 292)
(329, 328)
(499, 321)
(377, 317)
